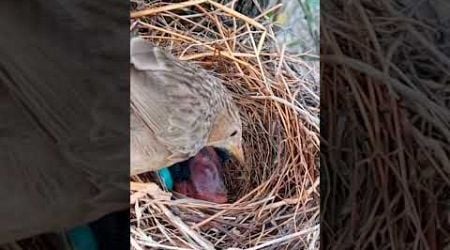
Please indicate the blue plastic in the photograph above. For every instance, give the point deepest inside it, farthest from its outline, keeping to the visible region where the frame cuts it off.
(166, 178)
(82, 238)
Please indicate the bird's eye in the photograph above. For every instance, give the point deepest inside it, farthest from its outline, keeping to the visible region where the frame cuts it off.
(223, 155)
(234, 133)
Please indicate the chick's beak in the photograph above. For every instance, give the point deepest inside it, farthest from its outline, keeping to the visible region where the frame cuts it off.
(237, 152)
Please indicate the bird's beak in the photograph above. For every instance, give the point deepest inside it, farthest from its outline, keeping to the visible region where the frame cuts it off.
(237, 152)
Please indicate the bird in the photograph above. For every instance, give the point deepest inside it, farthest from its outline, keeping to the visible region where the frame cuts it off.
(176, 109)
(64, 126)
(201, 176)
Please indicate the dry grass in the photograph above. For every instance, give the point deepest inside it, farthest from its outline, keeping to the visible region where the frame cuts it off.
(386, 97)
(275, 193)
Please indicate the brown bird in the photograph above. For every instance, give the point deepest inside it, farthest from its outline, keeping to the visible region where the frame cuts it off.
(176, 110)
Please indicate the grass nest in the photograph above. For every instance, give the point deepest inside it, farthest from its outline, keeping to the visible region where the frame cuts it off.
(386, 167)
(275, 196)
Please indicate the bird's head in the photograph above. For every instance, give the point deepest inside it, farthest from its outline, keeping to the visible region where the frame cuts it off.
(226, 133)
(201, 176)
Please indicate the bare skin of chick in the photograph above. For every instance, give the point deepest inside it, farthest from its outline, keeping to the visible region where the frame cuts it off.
(201, 177)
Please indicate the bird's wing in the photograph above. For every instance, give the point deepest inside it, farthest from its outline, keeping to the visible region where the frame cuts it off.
(63, 126)
(175, 101)
(147, 153)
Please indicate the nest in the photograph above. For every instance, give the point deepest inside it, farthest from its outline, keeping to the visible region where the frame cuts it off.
(275, 194)
(386, 110)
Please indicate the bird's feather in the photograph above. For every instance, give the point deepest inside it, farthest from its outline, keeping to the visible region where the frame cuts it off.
(175, 105)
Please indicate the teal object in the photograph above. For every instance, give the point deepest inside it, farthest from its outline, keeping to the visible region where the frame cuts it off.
(166, 178)
(82, 238)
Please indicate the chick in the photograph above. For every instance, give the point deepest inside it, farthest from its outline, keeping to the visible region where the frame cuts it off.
(201, 176)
